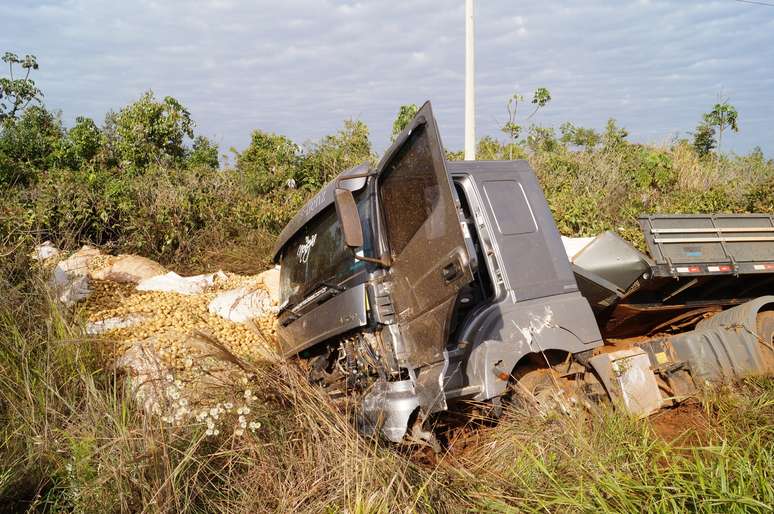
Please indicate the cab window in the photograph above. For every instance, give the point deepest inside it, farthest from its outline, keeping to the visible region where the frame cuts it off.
(409, 191)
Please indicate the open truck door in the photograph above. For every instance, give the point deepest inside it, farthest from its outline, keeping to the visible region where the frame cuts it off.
(427, 250)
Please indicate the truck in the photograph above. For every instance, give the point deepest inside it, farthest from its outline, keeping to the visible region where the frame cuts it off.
(421, 285)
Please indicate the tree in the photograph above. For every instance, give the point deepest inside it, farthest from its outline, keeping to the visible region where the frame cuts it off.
(17, 94)
(28, 144)
(722, 116)
(269, 161)
(405, 115)
(322, 161)
(81, 144)
(203, 153)
(540, 99)
(579, 136)
(152, 132)
(542, 139)
(614, 136)
(704, 139)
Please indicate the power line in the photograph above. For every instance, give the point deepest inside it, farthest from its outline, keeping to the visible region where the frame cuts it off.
(755, 2)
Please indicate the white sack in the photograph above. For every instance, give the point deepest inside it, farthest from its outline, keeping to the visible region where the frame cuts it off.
(242, 304)
(70, 278)
(173, 283)
(70, 287)
(45, 251)
(130, 268)
(106, 325)
(271, 279)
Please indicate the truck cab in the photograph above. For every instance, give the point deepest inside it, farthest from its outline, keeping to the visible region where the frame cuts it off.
(420, 282)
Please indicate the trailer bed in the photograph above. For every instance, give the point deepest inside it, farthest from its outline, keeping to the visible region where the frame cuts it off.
(713, 244)
(697, 264)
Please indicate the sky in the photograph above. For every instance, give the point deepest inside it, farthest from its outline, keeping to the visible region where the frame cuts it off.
(301, 67)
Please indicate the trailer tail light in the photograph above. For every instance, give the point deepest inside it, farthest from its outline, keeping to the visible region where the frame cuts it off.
(689, 269)
(723, 268)
(763, 267)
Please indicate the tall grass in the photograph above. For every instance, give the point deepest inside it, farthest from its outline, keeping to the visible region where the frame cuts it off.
(72, 440)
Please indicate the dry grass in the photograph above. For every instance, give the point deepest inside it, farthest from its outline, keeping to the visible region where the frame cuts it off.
(72, 440)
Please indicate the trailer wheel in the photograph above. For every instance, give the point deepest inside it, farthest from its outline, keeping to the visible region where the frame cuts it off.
(765, 328)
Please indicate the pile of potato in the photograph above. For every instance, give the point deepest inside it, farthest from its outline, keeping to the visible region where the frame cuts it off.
(175, 323)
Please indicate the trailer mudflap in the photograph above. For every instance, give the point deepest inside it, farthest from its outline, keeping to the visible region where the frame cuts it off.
(629, 380)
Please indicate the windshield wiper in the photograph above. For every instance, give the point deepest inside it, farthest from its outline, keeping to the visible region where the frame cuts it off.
(287, 306)
(332, 289)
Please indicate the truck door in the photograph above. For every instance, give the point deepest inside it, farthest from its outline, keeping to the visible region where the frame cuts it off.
(430, 262)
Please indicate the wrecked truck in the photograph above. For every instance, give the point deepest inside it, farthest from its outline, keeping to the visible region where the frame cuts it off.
(421, 284)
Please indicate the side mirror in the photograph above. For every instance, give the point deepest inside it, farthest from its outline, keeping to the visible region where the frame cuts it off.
(349, 217)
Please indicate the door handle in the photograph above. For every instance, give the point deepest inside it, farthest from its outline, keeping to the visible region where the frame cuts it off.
(451, 271)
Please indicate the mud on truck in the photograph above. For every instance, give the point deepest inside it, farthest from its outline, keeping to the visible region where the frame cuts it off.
(422, 284)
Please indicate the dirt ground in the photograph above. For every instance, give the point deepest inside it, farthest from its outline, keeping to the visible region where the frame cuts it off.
(687, 424)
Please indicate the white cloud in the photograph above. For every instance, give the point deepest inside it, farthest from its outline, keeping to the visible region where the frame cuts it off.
(301, 66)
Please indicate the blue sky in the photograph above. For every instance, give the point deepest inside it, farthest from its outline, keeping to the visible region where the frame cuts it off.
(300, 67)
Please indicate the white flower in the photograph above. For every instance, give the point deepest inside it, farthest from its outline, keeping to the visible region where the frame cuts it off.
(242, 421)
(209, 431)
(254, 425)
(210, 423)
(248, 394)
(239, 432)
(179, 384)
(214, 412)
(183, 402)
(169, 378)
(228, 406)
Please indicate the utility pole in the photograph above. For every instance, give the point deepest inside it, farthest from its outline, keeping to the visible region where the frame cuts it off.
(470, 83)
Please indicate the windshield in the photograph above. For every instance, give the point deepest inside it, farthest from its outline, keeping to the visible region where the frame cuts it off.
(317, 253)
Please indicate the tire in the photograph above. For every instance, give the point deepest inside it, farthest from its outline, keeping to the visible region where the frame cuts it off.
(544, 390)
(765, 329)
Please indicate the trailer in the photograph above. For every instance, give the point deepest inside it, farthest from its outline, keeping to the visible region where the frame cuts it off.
(420, 285)
(699, 297)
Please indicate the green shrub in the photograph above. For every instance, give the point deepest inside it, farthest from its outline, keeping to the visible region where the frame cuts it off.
(28, 145)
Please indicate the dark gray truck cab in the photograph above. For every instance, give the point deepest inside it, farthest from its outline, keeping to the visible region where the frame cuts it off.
(458, 274)
(422, 282)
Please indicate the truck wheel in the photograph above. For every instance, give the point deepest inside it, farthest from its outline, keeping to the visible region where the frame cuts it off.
(765, 327)
(545, 390)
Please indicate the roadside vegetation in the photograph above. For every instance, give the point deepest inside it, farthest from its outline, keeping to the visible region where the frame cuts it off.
(145, 181)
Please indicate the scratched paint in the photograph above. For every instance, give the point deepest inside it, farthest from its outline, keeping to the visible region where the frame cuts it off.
(536, 325)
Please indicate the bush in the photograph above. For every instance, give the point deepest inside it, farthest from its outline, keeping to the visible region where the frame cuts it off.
(28, 145)
(152, 132)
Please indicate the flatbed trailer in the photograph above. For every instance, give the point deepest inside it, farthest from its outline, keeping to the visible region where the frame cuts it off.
(696, 265)
(694, 306)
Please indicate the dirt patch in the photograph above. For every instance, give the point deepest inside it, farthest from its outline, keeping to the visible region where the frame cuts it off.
(687, 424)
